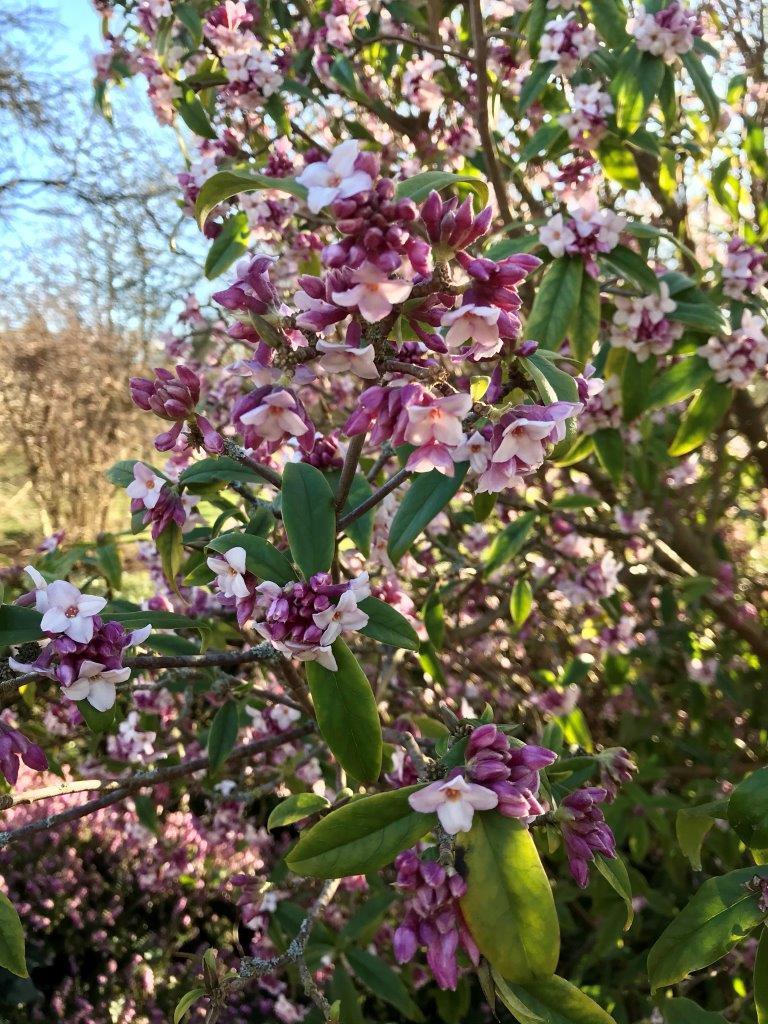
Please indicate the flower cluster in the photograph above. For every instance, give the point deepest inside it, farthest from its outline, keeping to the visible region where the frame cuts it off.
(15, 747)
(586, 232)
(667, 33)
(301, 620)
(271, 414)
(566, 42)
(745, 271)
(737, 358)
(585, 831)
(641, 325)
(252, 73)
(433, 917)
(84, 654)
(174, 397)
(158, 501)
(511, 772)
(586, 121)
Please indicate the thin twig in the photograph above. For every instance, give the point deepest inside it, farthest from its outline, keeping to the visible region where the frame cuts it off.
(348, 470)
(234, 451)
(386, 488)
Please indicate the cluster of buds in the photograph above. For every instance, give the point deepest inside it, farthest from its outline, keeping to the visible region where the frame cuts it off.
(451, 227)
(174, 397)
(566, 42)
(160, 502)
(252, 290)
(84, 654)
(585, 831)
(15, 747)
(616, 768)
(302, 620)
(511, 772)
(270, 415)
(739, 357)
(641, 324)
(744, 272)
(586, 232)
(433, 918)
(586, 121)
(667, 33)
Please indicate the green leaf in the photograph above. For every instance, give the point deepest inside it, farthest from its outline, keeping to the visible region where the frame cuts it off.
(419, 186)
(192, 113)
(433, 614)
(508, 905)
(387, 625)
(12, 956)
(346, 997)
(135, 618)
(296, 808)
(552, 383)
(610, 452)
(520, 602)
(186, 1002)
(509, 541)
(227, 184)
(614, 871)
(721, 913)
(542, 141)
(360, 531)
(585, 326)
(347, 715)
(97, 721)
(374, 973)
(121, 473)
(222, 735)
(428, 494)
(534, 85)
(19, 625)
(171, 550)
(108, 557)
(701, 316)
(618, 162)
(685, 1011)
(221, 468)
(308, 517)
(761, 979)
(550, 1000)
(363, 836)
(557, 299)
(636, 381)
(701, 417)
(636, 84)
(228, 246)
(632, 267)
(748, 810)
(692, 825)
(261, 558)
(610, 19)
(702, 83)
(678, 382)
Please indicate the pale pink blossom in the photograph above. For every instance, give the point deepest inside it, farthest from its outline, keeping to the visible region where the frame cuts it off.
(373, 293)
(67, 611)
(145, 487)
(455, 802)
(476, 323)
(339, 617)
(335, 178)
(96, 684)
(342, 358)
(275, 416)
(230, 572)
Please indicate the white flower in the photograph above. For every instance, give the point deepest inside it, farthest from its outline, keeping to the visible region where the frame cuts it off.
(475, 450)
(342, 616)
(440, 421)
(70, 612)
(455, 801)
(41, 588)
(146, 486)
(336, 178)
(275, 417)
(373, 293)
(556, 236)
(340, 358)
(478, 323)
(524, 439)
(230, 569)
(96, 685)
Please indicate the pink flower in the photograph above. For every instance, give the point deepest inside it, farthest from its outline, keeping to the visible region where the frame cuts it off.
(455, 801)
(273, 414)
(230, 572)
(342, 358)
(96, 684)
(374, 294)
(343, 616)
(476, 323)
(439, 421)
(335, 178)
(146, 486)
(68, 611)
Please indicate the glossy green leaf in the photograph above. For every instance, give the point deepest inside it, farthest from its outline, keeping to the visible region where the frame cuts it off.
(636, 84)
(692, 825)
(12, 954)
(433, 614)
(186, 1003)
(427, 496)
(221, 468)
(718, 916)
(701, 316)
(373, 972)
(363, 836)
(636, 379)
(520, 602)
(347, 714)
(748, 810)
(678, 382)
(702, 83)
(360, 531)
(550, 1000)
(614, 871)
(509, 541)
(19, 625)
(535, 84)
(419, 186)
(228, 246)
(685, 1011)
(387, 625)
(508, 905)
(610, 19)
(632, 267)
(121, 473)
(227, 184)
(193, 114)
(557, 298)
(261, 558)
(701, 417)
(308, 517)
(296, 808)
(585, 326)
(222, 735)
(97, 721)
(171, 550)
(610, 452)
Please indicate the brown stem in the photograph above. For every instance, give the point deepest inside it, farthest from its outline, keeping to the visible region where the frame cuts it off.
(386, 488)
(348, 470)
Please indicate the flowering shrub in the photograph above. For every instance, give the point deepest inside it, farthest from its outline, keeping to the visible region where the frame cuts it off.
(453, 641)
